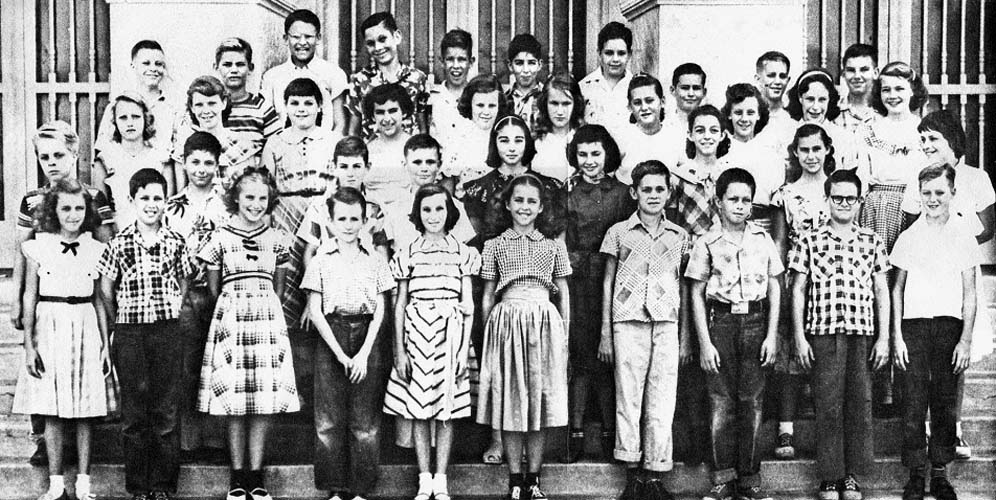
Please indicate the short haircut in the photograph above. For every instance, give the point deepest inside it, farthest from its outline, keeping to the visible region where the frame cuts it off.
(58, 130)
(809, 130)
(422, 141)
(688, 68)
(303, 87)
(772, 55)
(860, 50)
(565, 83)
(483, 84)
(740, 92)
(145, 177)
(346, 196)
(524, 42)
(493, 160)
(432, 189)
(650, 167)
(202, 141)
(589, 134)
(732, 176)
(351, 145)
(46, 213)
(145, 45)
(708, 110)
(304, 16)
(948, 125)
(936, 172)
(644, 80)
(818, 76)
(148, 130)
(457, 39)
(207, 86)
(902, 70)
(842, 176)
(234, 44)
(381, 94)
(377, 18)
(615, 31)
(259, 174)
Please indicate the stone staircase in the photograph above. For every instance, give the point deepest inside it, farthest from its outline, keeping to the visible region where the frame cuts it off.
(291, 443)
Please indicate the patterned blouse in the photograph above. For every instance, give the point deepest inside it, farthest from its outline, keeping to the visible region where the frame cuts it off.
(434, 269)
(524, 259)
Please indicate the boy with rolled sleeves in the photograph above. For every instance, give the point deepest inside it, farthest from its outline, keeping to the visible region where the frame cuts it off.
(735, 290)
(840, 298)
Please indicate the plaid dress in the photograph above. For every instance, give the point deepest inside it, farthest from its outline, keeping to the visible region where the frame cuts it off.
(247, 368)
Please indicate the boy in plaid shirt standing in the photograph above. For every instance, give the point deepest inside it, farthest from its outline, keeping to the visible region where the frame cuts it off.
(839, 298)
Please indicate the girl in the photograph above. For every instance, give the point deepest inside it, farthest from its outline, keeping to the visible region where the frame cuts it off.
(299, 157)
(693, 179)
(247, 373)
(802, 207)
(482, 103)
(65, 331)
(128, 151)
(646, 138)
(523, 387)
(814, 99)
(746, 111)
(595, 201)
(430, 383)
(560, 111)
(893, 149)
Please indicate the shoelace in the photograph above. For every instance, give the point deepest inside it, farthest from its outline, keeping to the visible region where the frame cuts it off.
(850, 483)
(536, 492)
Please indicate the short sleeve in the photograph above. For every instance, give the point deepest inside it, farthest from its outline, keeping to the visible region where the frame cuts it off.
(778, 197)
(310, 229)
(338, 82)
(610, 244)
(881, 263)
(385, 282)
(799, 255)
(25, 214)
(283, 255)
(561, 260)
(270, 120)
(31, 249)
(775, 266)
(312, 279)
(109, 266)
(699, 265)
(902, 251)
(470, 264)
(489, 268)
(212, 252)
(401, 268)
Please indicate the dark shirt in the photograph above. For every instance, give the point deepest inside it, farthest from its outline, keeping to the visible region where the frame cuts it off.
(591, 210)
(486, 211)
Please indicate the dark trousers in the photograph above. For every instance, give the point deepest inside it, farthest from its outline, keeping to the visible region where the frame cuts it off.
(930, 383)
(736, 395)
(148, 358)
(842, 394)
(591, 380)
(693, 406)
(347, 415)
(196, 429)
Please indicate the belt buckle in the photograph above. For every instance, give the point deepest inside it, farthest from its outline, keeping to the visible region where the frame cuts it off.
(739, 307)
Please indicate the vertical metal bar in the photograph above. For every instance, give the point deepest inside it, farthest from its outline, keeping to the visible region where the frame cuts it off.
(71, 29)
(430, 50)
(924, 49)
(512, 27)
(494, 37)
(352, 35)
(823, 33)
(532, 16)
(861, 21)
(843, 30)
(51, 60)
(411, 31)
(944, 51)
(394, 7)
(570, 36)
(549, 17)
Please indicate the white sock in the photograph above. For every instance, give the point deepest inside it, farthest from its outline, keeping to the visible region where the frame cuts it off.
(786, 428)
(56, 485)
(958, 428)
(82, 484)
(439, 480)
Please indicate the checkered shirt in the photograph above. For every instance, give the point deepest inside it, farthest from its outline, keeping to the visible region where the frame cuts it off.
(349, 285)
(148, 275)
(691, 201)
(852, 121)
(735, 271)
(840, 296)
(648, 271)
(526, 259)
(360, 83)
(33, 198)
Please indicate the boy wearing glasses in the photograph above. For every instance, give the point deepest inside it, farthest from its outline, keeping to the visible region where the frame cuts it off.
(840, 299)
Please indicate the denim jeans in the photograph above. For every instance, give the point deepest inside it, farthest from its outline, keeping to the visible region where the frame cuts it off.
(842, 393)
(148, 358)
(196, 429)
(736, 395)
(930, 383)
(347, 415)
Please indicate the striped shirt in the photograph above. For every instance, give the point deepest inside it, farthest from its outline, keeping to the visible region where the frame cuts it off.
(253, 119)
(434, 269)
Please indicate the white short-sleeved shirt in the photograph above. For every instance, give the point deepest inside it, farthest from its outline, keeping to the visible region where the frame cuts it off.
(973, 194)
(329, 77)
(667, 145)
(934, 258)
(767, 168)
(605, 105)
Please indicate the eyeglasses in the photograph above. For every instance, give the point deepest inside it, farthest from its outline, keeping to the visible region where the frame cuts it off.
(844, 200)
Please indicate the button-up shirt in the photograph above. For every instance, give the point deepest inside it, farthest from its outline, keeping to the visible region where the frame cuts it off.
(648, 271)
(604, 104)
(524, 103)
(735, 271)
(852, 120)
(692, 192)
(330, 79)
(349, 284)
(591, 210)
(524, 258)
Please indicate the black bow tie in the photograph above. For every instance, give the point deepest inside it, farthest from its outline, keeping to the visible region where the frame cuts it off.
(66, 247)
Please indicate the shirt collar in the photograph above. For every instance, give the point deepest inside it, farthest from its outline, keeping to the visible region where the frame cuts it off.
(331, 246)
(634, 222)
(519, 94)
(716, 233)
(577, 181)
(512, 234)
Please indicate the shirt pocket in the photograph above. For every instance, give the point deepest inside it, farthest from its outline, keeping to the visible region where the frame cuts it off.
(860, 268)
(824, 266)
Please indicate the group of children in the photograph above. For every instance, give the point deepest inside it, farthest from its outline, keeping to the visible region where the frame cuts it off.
(534, 257)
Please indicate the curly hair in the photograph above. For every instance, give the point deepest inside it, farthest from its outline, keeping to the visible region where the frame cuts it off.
(807, 79)
(740, 92)
(566, 84)
(149, 130)
(809, 130)
(483, 84)
(46, 213)
(708, 110)
(905, 71)
(207, 86)
(259, 174)
(589, 134)
(381, 94)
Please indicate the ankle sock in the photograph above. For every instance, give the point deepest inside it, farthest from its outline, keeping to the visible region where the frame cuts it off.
(938, 470)
(56, 485)
(958, 429)
(786, 428)
(82, 482)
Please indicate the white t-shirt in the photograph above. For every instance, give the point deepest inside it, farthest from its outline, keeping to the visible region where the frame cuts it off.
(667, 146)
(767, 168)
(934, 258)
(973, 194)
(605, 105)
(551, 156)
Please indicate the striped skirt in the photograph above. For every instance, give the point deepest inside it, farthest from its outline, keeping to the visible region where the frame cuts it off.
(883, 214)
(523, 385)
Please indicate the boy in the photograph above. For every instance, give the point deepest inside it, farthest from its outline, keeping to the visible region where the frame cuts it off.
(735, 292)
(934, 301)
(387, 179)
(249, 115)
(381, 38)
(772, 79)
(859, 67)
(144, 272)
(457, 50)
(839, 299)
(348, 284)
(642, 317)
(688, 89)
(525, 60)
(302, 31)
(194, 213)
(604, 89)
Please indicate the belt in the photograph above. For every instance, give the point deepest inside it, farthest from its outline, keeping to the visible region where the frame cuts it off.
(65, 300)
(352, 318)
(754, 306)
(304, 192)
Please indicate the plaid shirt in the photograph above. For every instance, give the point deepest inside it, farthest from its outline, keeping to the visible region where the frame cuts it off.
(840, 295)
(360, 83)
(530, 258)
(735, 271)
(148, 274)
(648, 271)
(853, 121)
(524, 103)
(349, 285)
(691, 201)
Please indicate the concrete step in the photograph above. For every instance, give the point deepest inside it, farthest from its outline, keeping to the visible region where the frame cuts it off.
(582, 480)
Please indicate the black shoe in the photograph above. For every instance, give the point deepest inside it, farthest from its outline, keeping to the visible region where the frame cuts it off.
(634, 489)
(942, 489)
(914, 488)
(140, 496)
(655, 490)
(40, 457)
(574, 447)
(159, 495)
(849, 488)
(828, 491)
